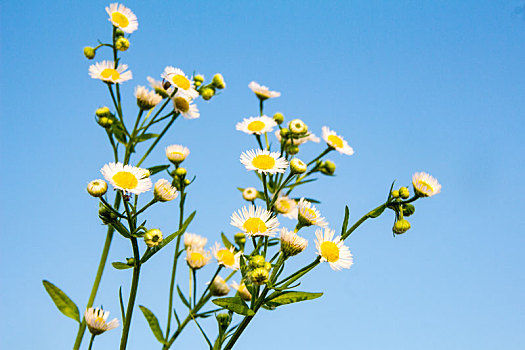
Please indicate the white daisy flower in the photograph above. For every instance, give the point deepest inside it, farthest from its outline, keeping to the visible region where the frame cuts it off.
(286, 206)
(226, 257)
(127, 178)
(96, 321)
(255, 221)
(146, 99)
(336, 142)
(177, 78)
(256, 125)
(164, 191)
(425, 185)
(177, 153)
(106, 71)
(291, 243)
(122, 17)
(264, 161)
(332, 250)
(194, 240)
(185, 106)
(263, 92)
(197, 257)
(299, 141)
(158, 87)
(218, 288)
(308, 214)
(244, 293)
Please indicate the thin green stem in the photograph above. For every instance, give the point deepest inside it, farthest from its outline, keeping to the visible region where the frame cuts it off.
(132, 295)
(325, 152)
(266, 197)
(91, 341)
(157, 140)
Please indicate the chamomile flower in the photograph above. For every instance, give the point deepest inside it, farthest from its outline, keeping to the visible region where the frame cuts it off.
(226, 257)
(425, 185)
(255, 221)
(177, 153)
(127, 178)
(178, 79)
(336, 142)
(197, 257)
(158, 87)
(308, 214)
(256, 125)
(96, 321)
(107, 72)
(291, 243)
(194, 240)
(219, 288)
(286, 206)
(244, 293)
(263, 92)
(185, 106)
(164, 191)
(122, 17)
(332, 250)
(264, 161)
(146, 99)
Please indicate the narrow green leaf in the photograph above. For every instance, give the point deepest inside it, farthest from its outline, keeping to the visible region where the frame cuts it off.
(153, 324)
(273, 241)
(234, 304)
(122, 308)
(226, 242)
(120, 265)
(157, 169)
(292, 297)
(311, 200)
(300, 183)
(376, 212)
(345, 221)
(183, 298)
(390, 192)
(62, 301)
(117, 225)
(120, 135)
(145, 137)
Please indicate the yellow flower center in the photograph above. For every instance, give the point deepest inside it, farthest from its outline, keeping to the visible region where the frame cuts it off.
(335, 141)
(182, 104)
(283, 205)
(110, 74)
(100, 320)
(424, 186)
(330, 251)
(263, 162)
(196, 257)
(262, 94)
(254, 225)
(181, 81)
(226, 257)
(309, 214)
(126, 180)
(256, 125)
(119, 19)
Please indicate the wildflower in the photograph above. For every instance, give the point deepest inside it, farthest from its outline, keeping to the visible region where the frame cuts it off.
(286, 206)
(255, 221)
(263, 92)
(425, 185)
(97, 188)
(122, 17)
(177, 153)
(163, 191)
(256, 125)
(158, 87)
(249, 194)
(178, 79)
(242, 290)
(153, 237)
(218, 287)
(226, 257)
(336, 142)
(96, 321)
(183, 104)
(197, 257)
(332, 250)
(107, 72)
(146, 99)
(264, 161)
(194, 240)
(127, 178)
(291, 243)
(308, 215)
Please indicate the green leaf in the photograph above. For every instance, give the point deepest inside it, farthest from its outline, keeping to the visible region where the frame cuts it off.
(234, 304)
(345, 221)
(183, 298)
(226, 242)
(123, 313)
(62, 301)
(311, 200)
(117, 225)
(153, 324)
(390, 192)
(157, 169)
(273, 241)
(118, 130)
(292, 297)
(377, 211)
(145, 137)
(120, 265)
(300, 183)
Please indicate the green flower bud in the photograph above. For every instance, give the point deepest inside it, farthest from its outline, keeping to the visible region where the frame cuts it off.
(298, 127)
(130, 261)
(187, 182)
(97, 188)
(278, 117)
(240, 238)
(218, 81)
(267, 266)
(219, 288)
(105, 214)
(89, 52)
(297, 166)
(259, 276)
(181, 172)
(122, 44)
(207, 93)
(105, 122)
(153, 237)
(401, 226)
(408, 209)
(292, 149)
(327, 167)
(404, 192)
(395, 193)
(103, 112)
(284, 132)
(257, 261)
(223, 320)
(198, 78)
(119, 32)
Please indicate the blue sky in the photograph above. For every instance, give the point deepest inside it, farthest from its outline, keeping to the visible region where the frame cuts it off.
(436, 86)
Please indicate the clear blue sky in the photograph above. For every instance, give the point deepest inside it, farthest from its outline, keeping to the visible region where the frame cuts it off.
(435, 86)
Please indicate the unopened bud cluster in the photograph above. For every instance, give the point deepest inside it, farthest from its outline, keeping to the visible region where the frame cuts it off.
(259, 270)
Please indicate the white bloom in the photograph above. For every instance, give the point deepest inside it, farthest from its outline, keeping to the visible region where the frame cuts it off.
(178, 79)
(164, 191)
(309, 215)
(197, 257)
(264, 161)
(122, 17)
(286, 206)
(255, 221)
(425, 185)
(106, 71)
(194, 240)
(336, 142)
(256, 125)
(146, 99)
(96, 321)
(332, 250)
(127, 178)
(226, 257)
(185, 106)
(291, 243)
(177, 153)
(263, 92)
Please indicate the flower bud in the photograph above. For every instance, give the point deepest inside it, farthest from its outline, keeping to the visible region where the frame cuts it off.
(278, 117)
(105, 122)
(267, 266)
(297, 166)
(153, 237)
(105, 214)
(257, 261)
(163, 191)
(207, 93)
(292, 149)
(408, 209)
(401, 226)
(218, 81)
(122, 44)
(181, 172)
(284, 132)
(249, 194)
(259, 276)
(218, 287)
(395, 194)
(298, 127)
(97, 188)
(244, 293)
(198, 80)
(119, 32)
(404, 192)
(89, 52)
(327, 167)
(130, 261)
(223, 320)
(240, 238)
(103, 112)
(187, 182)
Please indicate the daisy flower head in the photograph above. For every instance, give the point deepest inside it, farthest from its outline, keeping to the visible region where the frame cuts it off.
(256, 125)
(263, 92)
(244, 293)
(425, 185)
(158, 87)
(178, 79)
(164, 191)
(177, 153)
(96, 321)
(194, 240)
(291, 243)
(255, 221)
(219, 288)
(336, 142)
(122, 17)
(332, 250)
(107, 72)
(146, 99)
(226, 257)
(308, 214)
(184, 105)
(127, 178)
(286, 206)
(197, 257)
(264, 161)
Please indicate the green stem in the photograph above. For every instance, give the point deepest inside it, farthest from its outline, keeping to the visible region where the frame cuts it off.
(91, 341)
(325, 152)
(157, 140)
(266, 197)
(132, 294)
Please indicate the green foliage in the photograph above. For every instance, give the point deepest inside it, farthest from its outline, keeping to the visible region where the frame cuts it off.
(62, 301)
(153, 324)
(235, 304)
(291, 297)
